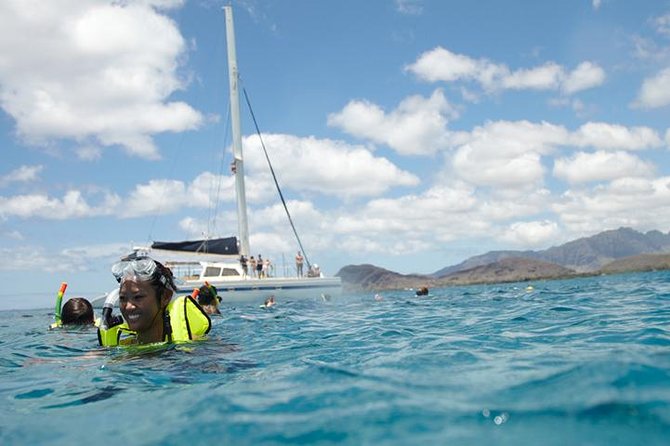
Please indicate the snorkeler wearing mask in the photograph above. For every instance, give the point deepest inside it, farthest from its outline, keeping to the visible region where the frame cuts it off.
(150, 313)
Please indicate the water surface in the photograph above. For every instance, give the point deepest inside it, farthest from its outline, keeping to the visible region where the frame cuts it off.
(584, 361)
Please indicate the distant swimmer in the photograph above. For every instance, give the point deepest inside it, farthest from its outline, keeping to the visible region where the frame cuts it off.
(76, 311)
(269, 302)
(378, 297)
(423, 291)
(208, 299)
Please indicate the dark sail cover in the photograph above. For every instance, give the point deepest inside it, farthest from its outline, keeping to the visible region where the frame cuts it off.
(224, 246)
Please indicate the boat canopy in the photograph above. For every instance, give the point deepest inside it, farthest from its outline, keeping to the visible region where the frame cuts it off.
(223, 246)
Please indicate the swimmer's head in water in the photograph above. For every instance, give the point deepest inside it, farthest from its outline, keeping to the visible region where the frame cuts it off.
(77, 311)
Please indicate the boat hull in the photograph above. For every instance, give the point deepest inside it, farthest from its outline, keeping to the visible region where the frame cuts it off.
(257, 290)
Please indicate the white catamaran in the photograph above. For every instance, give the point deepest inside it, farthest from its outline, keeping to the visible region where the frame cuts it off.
(217, 261)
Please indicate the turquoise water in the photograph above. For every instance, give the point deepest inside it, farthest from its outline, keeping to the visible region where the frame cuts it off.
(583, 361)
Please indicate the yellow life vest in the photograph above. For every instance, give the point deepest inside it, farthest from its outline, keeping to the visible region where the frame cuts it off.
(187, 319)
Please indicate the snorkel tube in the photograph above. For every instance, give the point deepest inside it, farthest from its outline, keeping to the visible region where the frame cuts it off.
(59, 302)
(107, 321)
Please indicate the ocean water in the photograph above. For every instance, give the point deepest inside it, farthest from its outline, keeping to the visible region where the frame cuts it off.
(573, 362)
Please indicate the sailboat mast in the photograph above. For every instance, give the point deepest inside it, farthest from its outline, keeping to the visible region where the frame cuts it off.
(243, 226)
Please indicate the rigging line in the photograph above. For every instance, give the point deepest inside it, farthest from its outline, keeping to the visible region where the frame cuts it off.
(274, 177)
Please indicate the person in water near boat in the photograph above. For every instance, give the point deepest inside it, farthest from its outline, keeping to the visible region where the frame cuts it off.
(423, 291)
(269, 302)
(150, 313)
(77, 311)
(209, 299)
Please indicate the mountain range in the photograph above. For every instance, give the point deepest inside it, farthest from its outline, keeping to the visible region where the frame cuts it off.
(612, 251)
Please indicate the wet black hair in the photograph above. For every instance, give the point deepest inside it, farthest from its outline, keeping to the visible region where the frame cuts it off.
(157, 284)
(77, 311)
(208, 295)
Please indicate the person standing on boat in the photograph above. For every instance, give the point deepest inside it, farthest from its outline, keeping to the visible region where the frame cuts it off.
(259, 267)
(267, 268)
(299, 260)
(252, 266)
(245, 267)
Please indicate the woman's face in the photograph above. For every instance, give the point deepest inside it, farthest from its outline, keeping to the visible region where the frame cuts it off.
(139, 305)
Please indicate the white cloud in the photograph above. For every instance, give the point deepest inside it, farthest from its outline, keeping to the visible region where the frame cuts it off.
(440, 64)
(316, 166)
(602, 135)
(655, 91)
(322, 166)
(89, 153)
(635, 202)
(160, 197)
(416, 127)
(506, 154)
(545, 77)
(600, 166)
(14, 235)
(76, 259)
(586, 75)
(531, 234)
(662, 24)
(112, 67)
(23, 174)
(412, 7)
(596, 4)
(444, 213)
(72, 205)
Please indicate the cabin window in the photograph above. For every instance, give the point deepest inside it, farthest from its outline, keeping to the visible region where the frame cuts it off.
(230, 272)
(212, 271)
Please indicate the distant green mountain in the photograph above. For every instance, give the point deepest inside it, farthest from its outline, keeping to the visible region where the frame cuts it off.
(617, 251)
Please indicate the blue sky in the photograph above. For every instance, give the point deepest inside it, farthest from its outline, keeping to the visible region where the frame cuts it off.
(406, 134)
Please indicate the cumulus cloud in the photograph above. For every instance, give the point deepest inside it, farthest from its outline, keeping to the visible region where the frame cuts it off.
(316, 166)
(507, 154)
(440, 64)
(23, 174)
(411, 7)
(75, 259)
(602, 135)
(112, 67)
(531, 234)
(323, 166)
(634, 202)
(444, 213)
(601, 166)
(586, 75)
(655, 91)
(72, 205)
(416, 127)
(662, 24)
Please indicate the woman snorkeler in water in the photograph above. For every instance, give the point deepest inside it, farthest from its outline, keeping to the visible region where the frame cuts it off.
(149, 309)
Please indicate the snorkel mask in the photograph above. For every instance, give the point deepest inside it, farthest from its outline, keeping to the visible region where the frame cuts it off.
(144, 270)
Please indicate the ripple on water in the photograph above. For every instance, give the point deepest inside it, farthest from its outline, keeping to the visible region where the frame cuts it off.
(499, 364)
